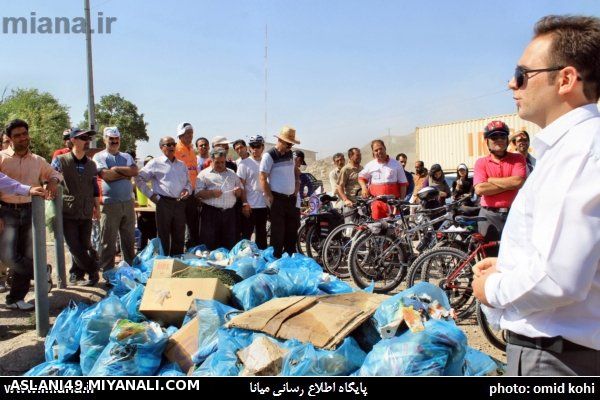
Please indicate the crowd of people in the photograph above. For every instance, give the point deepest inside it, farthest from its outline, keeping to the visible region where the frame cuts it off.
(543, 287)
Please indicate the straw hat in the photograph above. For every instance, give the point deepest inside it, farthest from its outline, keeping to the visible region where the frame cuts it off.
(288, 134)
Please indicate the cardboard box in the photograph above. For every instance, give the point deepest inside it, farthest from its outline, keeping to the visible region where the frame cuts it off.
(323, 321)
(165, 268)
(166, 300)
(183, 344)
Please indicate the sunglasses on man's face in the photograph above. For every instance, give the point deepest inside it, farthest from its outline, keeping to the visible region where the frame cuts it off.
(522, 73)
(169, 144)
(498, 136)
(85, 138)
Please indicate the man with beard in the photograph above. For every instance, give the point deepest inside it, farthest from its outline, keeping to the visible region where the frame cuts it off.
(16, 245)
(348, 186)
(520, 142)
(497, 180)
(544, 288)
(421, 180)
(81, 204)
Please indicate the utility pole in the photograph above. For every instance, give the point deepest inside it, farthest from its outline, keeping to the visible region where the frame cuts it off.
(266, 69)
(90, 72)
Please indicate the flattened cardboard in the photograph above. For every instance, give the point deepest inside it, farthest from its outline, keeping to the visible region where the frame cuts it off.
(183, 344)
(165, 268)
(167, 300)
(323, 321)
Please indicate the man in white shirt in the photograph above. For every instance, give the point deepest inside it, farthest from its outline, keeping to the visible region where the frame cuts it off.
(544, 288)
(255, 212)
(219, 188)
(170, 185)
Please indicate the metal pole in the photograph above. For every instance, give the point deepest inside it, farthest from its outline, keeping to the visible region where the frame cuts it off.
(59, 240)
(90, 72)
(40, 274)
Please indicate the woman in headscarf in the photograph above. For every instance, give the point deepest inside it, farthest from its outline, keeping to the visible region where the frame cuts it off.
(463, 184)
(438, 181)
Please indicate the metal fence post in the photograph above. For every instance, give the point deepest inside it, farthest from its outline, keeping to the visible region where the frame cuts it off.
(40, 274)
(59, 240)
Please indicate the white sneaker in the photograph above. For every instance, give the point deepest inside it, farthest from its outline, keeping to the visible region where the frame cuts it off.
(20, 305)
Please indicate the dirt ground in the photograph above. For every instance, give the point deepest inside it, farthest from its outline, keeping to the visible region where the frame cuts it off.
(21, 348)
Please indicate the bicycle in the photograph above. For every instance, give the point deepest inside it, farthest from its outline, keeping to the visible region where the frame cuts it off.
(497, 337)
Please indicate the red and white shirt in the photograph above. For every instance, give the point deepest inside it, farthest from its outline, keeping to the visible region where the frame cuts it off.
(383, 178)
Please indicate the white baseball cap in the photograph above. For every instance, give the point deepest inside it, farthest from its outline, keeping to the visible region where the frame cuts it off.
(112, 131)
(219, 140)
(183, 128)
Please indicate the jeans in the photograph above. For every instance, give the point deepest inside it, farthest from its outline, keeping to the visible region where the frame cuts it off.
(16, 250)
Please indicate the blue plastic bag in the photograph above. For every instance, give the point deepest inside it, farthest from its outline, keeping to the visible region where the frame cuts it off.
(62, 343)
(55, 368)
(480, 364)
(135, 349)
(219, 254)
(244, 267)
(387, 312)
(124, 279)
(132, 301)
(333, 285)
(211, 316)
(224, 362)
(436, 351)
(267, 254)
(201, 248)
(153, 249)
(170, 369)
(97, 324)
(306, 360)
(244, 248)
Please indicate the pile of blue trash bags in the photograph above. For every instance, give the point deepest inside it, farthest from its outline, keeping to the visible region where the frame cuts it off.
(112, 337)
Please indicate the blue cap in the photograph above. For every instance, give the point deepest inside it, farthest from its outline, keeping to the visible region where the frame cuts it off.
(78, 132)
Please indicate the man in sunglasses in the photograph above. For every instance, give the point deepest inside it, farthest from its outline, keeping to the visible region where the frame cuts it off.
(170, 184)
(280, 182)
(498, 178)
(520, 142)
(544, 286)
(118, 209)
(81, 204)
(16, 245)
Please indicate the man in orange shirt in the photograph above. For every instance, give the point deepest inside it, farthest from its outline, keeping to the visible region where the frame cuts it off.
(184, 152)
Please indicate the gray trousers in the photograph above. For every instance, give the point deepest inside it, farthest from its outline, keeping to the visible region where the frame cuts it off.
(117, 218)
(524, 361)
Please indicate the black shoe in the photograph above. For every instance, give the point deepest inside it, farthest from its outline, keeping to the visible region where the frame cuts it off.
(76, 280)
(93, 281)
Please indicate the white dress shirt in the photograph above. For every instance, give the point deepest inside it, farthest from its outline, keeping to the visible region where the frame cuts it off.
(226, 181)
(167, 178)
(549, 261)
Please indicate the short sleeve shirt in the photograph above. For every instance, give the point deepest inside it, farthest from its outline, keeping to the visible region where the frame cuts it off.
(512, 164)
(116, 191)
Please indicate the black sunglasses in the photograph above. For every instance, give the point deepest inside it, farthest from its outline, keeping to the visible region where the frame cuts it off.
(496, 136)
(85, 138)
(169, 144)
(521, 73)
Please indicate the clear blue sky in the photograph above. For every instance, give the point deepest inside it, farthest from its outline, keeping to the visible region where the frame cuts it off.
(341, 72)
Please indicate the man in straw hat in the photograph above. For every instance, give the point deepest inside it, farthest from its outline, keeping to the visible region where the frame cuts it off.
(280, 181)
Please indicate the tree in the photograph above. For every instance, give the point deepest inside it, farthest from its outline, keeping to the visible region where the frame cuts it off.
(47, 118)
(115, 110)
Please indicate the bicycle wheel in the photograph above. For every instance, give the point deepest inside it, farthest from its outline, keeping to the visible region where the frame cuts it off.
(301, 243)
(497, 337)
(435, 266)
(336, 249)
(368, 263)
(314, 242)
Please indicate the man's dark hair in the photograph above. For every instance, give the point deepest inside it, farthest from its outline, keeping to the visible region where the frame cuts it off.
(14, 124)
(352, 150)
(576, 42)
(377, 141)
(401, 155)
(421, 163)
(519, 133)
(337, 155)
(202, 138)
(239, 141)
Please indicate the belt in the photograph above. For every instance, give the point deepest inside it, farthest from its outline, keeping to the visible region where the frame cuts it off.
(554, 344)
(498, 210)
(216, 208)
(283, 196)
(169, 198)
(15, 206)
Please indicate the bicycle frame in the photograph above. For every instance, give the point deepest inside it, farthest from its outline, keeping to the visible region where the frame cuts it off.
(479, 251)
